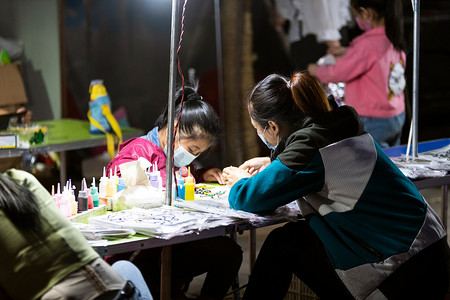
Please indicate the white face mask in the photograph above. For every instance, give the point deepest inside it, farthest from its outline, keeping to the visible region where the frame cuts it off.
(261, 136)
(181, 157)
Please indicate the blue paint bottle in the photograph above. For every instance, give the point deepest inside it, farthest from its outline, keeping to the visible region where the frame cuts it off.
(180, 187)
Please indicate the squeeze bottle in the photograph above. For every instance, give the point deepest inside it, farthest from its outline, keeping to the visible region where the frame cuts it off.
(155, 177)
(121, 185)
(189, 187)
(73, 204)
(94, 193)
(82, 199)
(58, 196)
(180, 187)
(88, 192)
(102, 184)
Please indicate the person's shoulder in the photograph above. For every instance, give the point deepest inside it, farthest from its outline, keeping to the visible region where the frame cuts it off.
(21, 176)
(139, 146)
(137, 141)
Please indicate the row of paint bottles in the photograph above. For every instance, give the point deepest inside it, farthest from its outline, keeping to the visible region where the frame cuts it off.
(65, 200)
(87, 198)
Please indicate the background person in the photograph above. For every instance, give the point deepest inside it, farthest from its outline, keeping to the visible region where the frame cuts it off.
(367, 233)
(373, 68)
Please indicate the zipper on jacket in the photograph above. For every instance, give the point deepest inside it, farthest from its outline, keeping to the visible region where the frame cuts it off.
(363, 244)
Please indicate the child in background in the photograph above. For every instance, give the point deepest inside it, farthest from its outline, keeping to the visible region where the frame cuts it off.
(373, 69)
(220, 257)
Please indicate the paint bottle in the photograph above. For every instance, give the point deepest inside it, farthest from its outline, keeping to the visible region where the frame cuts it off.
(189, 187)
(72, 203)
(53, 194)
(115, 176)
(180, 187)
(102, 184)
(121, 185)
(82, 199)
(94, 193)
(155, 177)
(64, 203)
(58, 196)
(111, 190)
(88, 192)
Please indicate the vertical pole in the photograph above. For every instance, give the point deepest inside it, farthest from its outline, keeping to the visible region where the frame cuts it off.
(415, 102)
(170, 104)
(219, 60)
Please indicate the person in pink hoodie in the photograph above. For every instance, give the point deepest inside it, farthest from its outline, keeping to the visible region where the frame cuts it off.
(219, 257)
(198, 129)
(373, 69)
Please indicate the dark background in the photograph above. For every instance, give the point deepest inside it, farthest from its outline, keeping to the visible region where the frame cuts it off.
(127, 43)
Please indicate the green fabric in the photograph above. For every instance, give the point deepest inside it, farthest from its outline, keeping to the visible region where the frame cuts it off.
(31, 264)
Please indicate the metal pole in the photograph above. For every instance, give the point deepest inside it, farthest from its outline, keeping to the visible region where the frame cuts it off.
(415, 102)
(219, 59)
(170, 104)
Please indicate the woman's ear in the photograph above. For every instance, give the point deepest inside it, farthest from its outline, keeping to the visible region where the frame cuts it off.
(274, 127)
(366, 13)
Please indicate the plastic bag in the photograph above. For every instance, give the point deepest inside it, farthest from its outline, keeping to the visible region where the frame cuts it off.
(138, 192)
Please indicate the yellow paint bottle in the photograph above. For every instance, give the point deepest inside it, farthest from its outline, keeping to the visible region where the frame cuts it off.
(189, 188)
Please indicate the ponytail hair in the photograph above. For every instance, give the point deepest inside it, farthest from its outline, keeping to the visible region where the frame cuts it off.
(287, 101)
(309, 95)
(394, 24)
(198, 118)
(19, 204)
(392, 11)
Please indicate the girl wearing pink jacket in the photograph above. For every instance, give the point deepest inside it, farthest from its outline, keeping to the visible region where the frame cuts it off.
(373, 68)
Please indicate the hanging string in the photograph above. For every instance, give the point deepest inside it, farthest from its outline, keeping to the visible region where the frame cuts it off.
(183, 14)
(175, 130)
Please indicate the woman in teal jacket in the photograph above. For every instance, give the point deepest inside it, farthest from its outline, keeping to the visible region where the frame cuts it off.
(367, 233)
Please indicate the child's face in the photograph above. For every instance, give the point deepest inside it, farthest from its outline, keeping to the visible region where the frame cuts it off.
(194, 146)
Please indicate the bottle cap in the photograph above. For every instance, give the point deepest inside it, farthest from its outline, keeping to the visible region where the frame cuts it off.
(94, 189)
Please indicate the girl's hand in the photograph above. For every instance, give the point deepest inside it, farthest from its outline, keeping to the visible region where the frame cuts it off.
(214, 174)
(255, 165)
(233, 174)
(337, 51)
(312, 69)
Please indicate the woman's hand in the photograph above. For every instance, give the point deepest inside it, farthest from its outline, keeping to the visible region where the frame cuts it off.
(214, 174)
(234, 174)
(255, 165)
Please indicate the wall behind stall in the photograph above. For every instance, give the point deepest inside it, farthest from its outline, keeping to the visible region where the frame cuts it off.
(127, 44)
(35, 24)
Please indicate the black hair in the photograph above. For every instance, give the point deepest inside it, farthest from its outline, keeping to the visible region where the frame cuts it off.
(19, 204)
(392, 11)
(198, 118)
(287, 100)
(271, 99)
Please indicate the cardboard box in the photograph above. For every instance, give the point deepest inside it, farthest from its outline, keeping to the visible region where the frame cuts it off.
(12, 89)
